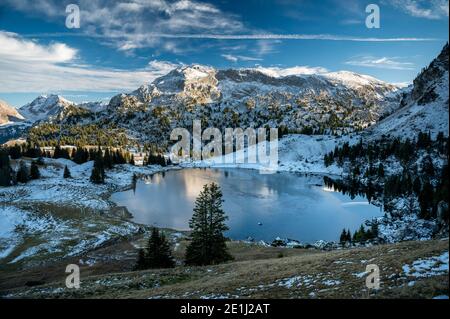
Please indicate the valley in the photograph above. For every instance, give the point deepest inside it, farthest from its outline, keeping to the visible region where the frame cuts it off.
(341, 125)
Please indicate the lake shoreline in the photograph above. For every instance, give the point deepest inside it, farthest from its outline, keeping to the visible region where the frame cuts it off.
(136, 200)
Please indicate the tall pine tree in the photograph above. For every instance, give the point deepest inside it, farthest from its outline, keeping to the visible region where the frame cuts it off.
(98, 171)
(5, 169)
(67, 172)
(34, 171)
(157, 254)
(208, 245)
(23, 173)
(158, 251)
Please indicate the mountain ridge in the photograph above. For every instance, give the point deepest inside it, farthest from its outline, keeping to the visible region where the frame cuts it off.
(323, 103)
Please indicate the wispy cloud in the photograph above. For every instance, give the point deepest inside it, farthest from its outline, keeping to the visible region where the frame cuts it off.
(428, 9)
(325, 37)
(391, 63)
(329, 37)
(125, 25)
(236, 58)
(352, 21)
(28, 66)
(172, 25)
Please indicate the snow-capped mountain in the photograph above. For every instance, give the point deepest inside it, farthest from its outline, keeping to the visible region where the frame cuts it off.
(201, 85)
(8, 114)
(338, 102)
(46, 107)
(424, 107)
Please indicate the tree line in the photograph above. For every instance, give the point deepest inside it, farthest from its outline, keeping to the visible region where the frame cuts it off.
(361, 235)
(418, 178)
(24, 173)
(104, 159)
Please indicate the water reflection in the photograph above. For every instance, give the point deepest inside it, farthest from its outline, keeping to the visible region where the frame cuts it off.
(259, 206)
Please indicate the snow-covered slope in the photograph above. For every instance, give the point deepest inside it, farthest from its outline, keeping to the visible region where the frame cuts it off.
(296, 153)
(8, 114)
(424, 107)
(45, 108)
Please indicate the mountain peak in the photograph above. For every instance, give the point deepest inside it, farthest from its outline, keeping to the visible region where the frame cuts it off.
(45, 107)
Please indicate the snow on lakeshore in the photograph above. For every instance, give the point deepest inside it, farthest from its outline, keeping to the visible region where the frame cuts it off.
(296, 153)
(76, 191)
(63, 216)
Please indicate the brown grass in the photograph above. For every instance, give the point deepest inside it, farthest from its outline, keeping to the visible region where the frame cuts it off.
(256, 272)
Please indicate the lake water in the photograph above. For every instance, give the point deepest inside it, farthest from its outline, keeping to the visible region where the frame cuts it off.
(259, 206)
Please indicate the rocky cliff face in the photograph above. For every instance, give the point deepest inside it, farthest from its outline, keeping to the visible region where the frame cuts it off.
(428, 83)
(424, 107)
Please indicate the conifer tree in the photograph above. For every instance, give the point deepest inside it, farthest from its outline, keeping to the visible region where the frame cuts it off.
(158, 251)
(98, 171)
(108, 159)
(349, 235)
(141, 262)
(428, 166)
(5, 169)
(23, 173)
(65, 153)
(96, 176)
(374, 230)
(34, 171)
(157, 254)
(360, 235)
(81, 156)
(208, 245)
(67, 172)
(15, 152)
(57, 152)
(343, 237)
(425, 200)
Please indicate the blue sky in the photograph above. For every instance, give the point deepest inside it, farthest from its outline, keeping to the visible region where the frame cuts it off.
(121, 45)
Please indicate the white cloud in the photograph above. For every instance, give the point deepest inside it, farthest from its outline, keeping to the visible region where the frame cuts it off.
(28, 66)
(129, 25)
(14, 48)
(296, 70)
(170, 25)
(390, 63)
(160, 68)
(236, 58)
(428, 9)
